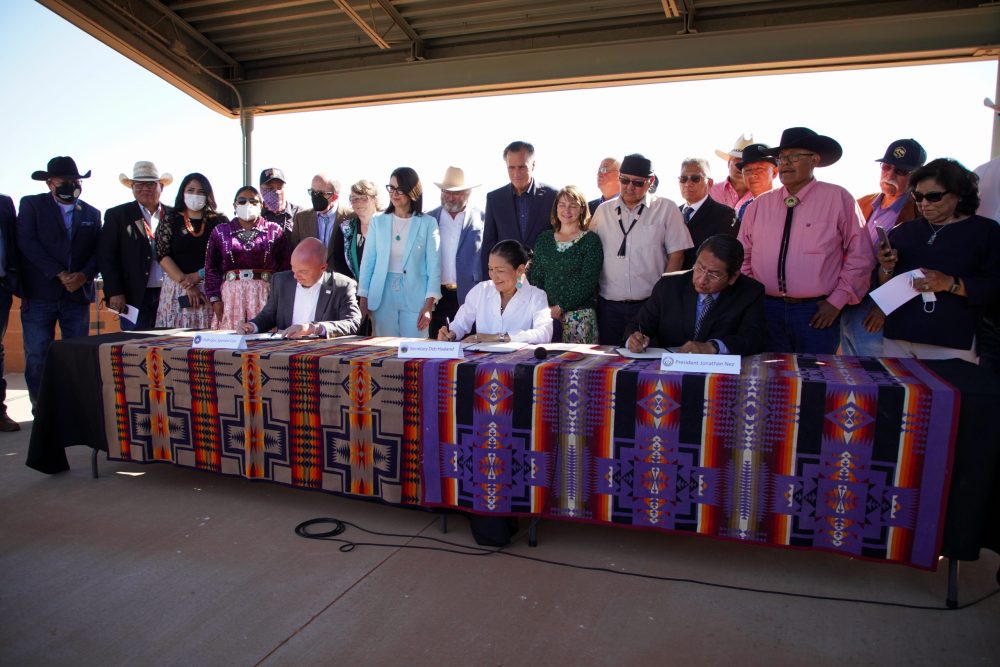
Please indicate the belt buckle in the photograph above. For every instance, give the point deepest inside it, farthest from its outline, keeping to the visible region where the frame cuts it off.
(231, 275)
(246, 274)
(451, 286)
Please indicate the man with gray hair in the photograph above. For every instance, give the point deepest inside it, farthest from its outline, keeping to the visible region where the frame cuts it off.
(309, 300)
(704, 216)
(607, 182)
(324, 217)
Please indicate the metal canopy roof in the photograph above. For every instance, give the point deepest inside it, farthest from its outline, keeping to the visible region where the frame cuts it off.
(289, 55)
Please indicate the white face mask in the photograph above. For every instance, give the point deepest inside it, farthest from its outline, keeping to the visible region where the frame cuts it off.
(248, 212)
(195, 202)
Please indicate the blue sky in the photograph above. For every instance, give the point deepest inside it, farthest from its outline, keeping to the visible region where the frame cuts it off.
(67, 94)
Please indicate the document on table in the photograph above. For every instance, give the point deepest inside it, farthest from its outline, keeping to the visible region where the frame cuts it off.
(494, 347)
(897, 291)
(131, 313)
(650, 353)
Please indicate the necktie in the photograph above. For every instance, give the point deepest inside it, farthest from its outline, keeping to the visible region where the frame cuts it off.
(688, 212)
(703, 308)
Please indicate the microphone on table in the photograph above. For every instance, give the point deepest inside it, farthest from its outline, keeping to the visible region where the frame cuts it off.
(541, 353)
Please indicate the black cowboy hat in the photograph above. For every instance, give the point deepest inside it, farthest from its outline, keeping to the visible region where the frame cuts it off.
(756, 153)
(63, 166)
(829, 150)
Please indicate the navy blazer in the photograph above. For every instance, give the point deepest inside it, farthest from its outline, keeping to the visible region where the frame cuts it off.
(736, 318)
(470, 243)
(46, 248)
(125, 252)
(336, 310)
(501, 218)
(710, 219)
(8, 218)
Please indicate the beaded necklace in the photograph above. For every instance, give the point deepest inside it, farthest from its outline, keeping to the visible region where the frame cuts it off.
(246, 237)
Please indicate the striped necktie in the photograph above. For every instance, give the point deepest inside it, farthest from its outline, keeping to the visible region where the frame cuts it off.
(703, 308)
(688, 213)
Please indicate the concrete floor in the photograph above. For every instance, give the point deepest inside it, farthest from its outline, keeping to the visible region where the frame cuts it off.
(155, 565)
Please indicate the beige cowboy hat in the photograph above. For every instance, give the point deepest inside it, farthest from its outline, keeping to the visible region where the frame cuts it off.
(742, 142)
(145, 171)
(454, 181)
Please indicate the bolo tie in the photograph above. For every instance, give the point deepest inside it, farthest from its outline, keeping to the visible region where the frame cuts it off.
(621, 225)
(791, 202)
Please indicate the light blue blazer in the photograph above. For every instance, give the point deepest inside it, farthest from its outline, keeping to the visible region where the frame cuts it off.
(421, 262)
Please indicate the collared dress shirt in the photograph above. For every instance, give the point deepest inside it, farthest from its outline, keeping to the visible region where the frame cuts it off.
(829, 253)
(155, 270)
(526, 318)
(659, 231)
(725, 193)
(324, 224)
(522, 206)
(886, 218)
(694, 207)
(306, 298)
(451, 230)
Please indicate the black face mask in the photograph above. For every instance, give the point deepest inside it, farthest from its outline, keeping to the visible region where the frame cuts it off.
(320, 203)
(68, 193)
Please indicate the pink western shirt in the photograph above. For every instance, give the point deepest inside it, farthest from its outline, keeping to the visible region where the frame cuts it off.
(829, 252)
(725, 193)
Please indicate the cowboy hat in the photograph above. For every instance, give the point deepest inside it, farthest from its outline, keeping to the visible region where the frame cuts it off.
(454, 181)
(829, 150)
(755, 153)
(742, 142)
(147, 172)
(63, 166)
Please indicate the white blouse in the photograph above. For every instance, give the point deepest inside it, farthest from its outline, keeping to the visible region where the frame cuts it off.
(526, 318)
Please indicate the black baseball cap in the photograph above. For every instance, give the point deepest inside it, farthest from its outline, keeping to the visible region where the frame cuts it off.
(272, 174)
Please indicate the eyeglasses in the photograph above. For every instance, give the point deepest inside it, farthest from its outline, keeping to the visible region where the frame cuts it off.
(713, 276)
(932, 197)
(792, 158)
(891, 167)
(312, 192)
(607, 170)
(393, 190)
(144, 185)
(634, 182)
(243, 201)
(694, 178)
(357, 199)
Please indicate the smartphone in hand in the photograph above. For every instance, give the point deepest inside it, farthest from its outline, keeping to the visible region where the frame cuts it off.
(883, 238)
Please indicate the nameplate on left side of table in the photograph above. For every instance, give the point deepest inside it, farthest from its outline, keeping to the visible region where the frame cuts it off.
(726, 364)
(430, 349)
(219, 341)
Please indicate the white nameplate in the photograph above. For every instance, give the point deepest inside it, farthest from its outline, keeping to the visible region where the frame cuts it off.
(727, 364)
(430, 349)
(219, 341)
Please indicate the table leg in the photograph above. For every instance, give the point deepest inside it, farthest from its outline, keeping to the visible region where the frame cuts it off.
(444, 522)
(93, 463)
(533, 532)
(952, 600)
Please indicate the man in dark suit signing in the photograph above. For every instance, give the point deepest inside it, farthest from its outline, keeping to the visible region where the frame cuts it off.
(520, 210)
(703, 215)
(309, 300)
(711, 309)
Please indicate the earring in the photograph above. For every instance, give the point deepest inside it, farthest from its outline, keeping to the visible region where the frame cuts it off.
(520, 282)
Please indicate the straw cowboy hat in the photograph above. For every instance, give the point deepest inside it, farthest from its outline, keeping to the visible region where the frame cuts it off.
(454, 181)
(145, 172)
(742, 142)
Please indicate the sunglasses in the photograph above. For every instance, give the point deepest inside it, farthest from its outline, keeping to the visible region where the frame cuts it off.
(932, 197)
(243, 201)
(695, 178)
(891, 167)
(607, 170)
(312, 192)
(635, 182)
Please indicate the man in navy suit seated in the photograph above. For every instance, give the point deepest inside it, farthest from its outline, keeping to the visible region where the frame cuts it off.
(520, 210)
(710, 309)
(57, 237)
(309, 300)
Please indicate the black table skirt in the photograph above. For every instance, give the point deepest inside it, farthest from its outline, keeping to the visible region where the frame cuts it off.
(70, 412)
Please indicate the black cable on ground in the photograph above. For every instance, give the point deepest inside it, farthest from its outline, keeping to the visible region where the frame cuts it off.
(339, 527)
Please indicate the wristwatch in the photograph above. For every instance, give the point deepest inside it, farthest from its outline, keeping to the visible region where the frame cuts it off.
(715, 345)
(955, 285)
(505, 337)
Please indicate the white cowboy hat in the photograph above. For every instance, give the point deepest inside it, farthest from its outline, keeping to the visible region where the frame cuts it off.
(145, 171)
(742, 142)
(454, 181)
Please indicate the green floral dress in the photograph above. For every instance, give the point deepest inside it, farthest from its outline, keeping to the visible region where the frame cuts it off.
(568, 271)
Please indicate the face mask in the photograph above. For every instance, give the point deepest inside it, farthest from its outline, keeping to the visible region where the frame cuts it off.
(195, 202)
(272, 200)
(247, 211)
(68, 193)
(320, 203)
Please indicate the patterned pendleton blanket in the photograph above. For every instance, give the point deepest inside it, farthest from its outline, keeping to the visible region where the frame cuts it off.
(836, 453)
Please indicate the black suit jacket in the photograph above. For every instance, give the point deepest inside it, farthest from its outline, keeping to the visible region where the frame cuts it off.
(736, 318)
(8, 218)
(337, 309)
(501, 218)
(124, 252)
(711, 219)
(46, 249)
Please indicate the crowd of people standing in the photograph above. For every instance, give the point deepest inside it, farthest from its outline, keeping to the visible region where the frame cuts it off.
(767, 259)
